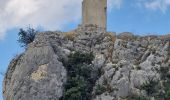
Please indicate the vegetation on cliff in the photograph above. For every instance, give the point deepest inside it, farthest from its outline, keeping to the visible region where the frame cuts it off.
(26, 36)
(79, 83)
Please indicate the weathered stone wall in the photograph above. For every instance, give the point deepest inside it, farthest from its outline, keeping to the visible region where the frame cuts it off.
(94, 12)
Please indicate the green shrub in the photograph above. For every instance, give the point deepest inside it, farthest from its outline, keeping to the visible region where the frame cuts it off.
(100, 89)
(75, 89)
(161, 89)
(168, 93)
(165, 77)
(164, 72)
(79, 83)
(26, 36)
(150, 86)
(80, 58)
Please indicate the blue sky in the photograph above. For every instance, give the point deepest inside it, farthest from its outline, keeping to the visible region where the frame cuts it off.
(138, 16)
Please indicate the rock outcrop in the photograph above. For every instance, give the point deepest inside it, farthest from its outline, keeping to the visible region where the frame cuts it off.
(125, 65)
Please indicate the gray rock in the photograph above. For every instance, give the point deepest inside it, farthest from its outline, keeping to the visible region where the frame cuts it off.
(138, 78)
(122, 66)
(37, 75)
(99, 61)
(123, 88)
(104, 96)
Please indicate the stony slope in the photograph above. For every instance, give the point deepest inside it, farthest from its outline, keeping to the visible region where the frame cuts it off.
(128, 64)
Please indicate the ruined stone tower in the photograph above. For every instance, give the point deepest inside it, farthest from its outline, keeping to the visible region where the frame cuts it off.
(94, 12)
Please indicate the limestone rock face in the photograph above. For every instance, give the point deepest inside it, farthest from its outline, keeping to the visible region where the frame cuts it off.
(37, 74)
(133, 65)
(124, 64)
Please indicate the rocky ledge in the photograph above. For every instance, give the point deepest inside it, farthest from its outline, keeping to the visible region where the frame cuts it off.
(131, 67)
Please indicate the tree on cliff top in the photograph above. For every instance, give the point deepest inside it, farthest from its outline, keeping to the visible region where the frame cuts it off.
(26, 36)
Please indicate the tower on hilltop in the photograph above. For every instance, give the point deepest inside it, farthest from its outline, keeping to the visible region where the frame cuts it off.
(94, 12)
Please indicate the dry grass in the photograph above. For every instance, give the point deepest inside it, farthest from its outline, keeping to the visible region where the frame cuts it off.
(70, 35)
(165, 37)
(126, 36)
(111, 36)
(149, 37)
(110, 54)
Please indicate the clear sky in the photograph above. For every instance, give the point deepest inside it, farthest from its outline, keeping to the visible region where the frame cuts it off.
(138, 16)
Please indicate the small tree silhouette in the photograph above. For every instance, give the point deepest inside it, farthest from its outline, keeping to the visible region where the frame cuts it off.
(26, 36)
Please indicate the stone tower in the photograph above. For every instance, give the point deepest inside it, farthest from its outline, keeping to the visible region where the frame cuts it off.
(94, 12)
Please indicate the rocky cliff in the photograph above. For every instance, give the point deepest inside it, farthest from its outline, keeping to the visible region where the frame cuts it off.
(124, 67)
